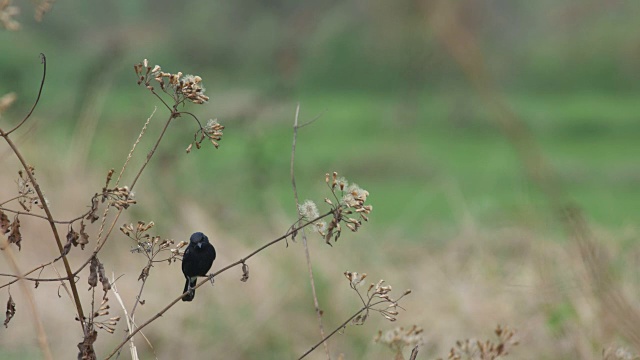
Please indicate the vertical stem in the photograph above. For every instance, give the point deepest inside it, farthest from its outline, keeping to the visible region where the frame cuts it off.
(304, 237)
(67, 268)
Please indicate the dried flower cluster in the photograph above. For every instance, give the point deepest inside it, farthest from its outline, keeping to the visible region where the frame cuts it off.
(7, 13)
(109, 324)
(180, 88)
(119, 197)
(27, 196)
(399, 338)
(150, 245)
(348, 206)
(211, 131)
(470, 349)
(377, 298)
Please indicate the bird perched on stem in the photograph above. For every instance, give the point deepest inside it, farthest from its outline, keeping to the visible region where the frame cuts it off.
(196, 261)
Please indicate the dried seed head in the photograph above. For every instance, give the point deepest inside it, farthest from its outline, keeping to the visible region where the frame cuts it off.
(308, 210)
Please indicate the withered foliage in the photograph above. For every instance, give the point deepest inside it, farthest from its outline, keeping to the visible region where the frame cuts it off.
(4, 223)
(86, 346)
(11, 311)
(245, 272)
(15, 237)
(74, 238)
(96, 272)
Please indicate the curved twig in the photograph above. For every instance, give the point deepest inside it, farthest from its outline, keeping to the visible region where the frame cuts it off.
(44, 74)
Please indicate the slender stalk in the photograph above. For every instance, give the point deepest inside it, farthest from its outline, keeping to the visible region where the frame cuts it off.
(44, 75)
(316, 304)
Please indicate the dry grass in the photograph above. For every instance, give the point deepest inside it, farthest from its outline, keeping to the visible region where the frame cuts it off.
(523, 277)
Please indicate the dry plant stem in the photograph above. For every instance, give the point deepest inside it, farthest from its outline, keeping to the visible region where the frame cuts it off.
(133, 148)
(36, 186)
(213, 275)
(316, 304)
(333, 332)
(42, 336)
(132, 345)
(44, 217)
(153, 150)
(414, 353)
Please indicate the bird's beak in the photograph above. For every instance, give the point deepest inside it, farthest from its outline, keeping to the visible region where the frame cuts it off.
(199, 245)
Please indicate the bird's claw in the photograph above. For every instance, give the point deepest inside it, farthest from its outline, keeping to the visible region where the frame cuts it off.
(211, 278)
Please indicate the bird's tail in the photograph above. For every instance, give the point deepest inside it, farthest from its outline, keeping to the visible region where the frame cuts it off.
(189, 285)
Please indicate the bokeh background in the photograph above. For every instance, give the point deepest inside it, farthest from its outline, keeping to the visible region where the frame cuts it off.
(437, 108)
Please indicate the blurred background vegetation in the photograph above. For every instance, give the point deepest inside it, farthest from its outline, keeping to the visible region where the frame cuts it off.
(455, 216)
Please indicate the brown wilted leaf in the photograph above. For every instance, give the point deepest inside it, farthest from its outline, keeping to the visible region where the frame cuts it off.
(144, 274)
(86, 347)
(11, 310)
(93, 273)
(15, 237)
(106, 285)
(4, 223)
(94, 209)
(84, 237)
(245, 272)
(72, 236)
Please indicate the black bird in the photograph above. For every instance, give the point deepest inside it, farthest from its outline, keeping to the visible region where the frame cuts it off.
(196, 261)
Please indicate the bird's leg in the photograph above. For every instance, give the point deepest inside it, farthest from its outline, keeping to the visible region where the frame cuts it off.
(211, 278)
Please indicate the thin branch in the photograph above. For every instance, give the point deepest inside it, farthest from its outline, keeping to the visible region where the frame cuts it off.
(310, 121)
(43, 59)
(316, 304)
(213, 275)
(333, 332)
(44, 217)
(132, 345)
(133, 148)
(10, 200)
(414, 353)
(153, 150)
